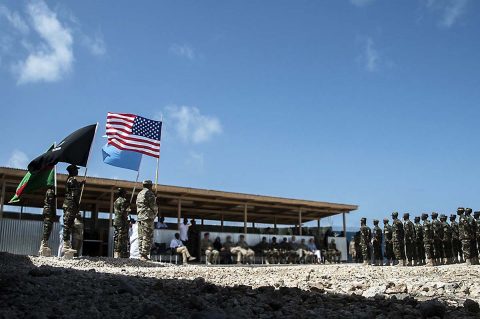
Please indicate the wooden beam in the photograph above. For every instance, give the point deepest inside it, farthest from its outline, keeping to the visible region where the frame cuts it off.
(245, 211)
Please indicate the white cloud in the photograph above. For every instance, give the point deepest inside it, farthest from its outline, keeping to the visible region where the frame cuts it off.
(183, 50)
(15, 20)
(51, 60)
(191, 125)
(449, 10)
(195, 161)
(18, 159)
(371, 55)
(95, 44)
(361, 3)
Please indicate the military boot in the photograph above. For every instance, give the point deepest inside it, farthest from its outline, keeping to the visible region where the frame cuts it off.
(429, 262)
(409, 263)
(44, 250)
(387, 263)
(116, 255)
(468, 261)
(365, 263)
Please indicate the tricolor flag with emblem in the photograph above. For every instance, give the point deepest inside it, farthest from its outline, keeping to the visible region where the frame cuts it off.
(130, 132)
(33, 181)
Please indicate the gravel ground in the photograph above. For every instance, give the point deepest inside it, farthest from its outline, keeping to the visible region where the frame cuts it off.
(38, 287)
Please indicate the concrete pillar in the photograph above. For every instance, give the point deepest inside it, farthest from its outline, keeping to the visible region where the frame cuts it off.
(245, 219)
(344, 225)
(222, 223)
(274, 222)
(202, 221)
(111, 209)
(179, 212)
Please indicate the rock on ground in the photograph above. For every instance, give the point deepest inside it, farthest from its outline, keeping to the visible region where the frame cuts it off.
(40, 287)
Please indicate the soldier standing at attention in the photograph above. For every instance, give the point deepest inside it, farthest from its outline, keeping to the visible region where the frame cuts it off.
(437, 238)
(365, 238)
(464, 233)
(120, 224)
(447, 240)
(456, 243)
(49, 212)
(473, 233)
(419, 249)
(409, 230)
(388, 239)
(70, 206)
(398, 235)
(476, 215)
(377, 244)
(428, 239)
(146, 211)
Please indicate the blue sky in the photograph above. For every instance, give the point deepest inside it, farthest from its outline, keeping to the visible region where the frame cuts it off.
(368, 102)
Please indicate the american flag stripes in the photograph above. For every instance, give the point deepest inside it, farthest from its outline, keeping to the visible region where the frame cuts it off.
(134, 133)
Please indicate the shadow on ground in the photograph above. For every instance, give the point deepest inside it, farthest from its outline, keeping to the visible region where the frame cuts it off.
(27, 291)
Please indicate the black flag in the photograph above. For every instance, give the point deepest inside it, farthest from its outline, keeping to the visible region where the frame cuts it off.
(73, 149)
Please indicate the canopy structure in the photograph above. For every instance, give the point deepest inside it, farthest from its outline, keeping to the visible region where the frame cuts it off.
(175, 201)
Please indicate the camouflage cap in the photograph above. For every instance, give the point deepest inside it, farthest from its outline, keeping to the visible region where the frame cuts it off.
(424, 216)
(395, 214)
(460, 210)
(477, 213)
(375, 221)
(406, 215)
(468, 211)
(434, 214)
(385, 220)
(442, 216)
(363, 219)
(417, 218)
(453, 216)
(147, 182)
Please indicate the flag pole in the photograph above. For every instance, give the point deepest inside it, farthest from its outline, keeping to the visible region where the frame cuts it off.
(136, 180)
(86, 167)
(55, 184)
(158, 158)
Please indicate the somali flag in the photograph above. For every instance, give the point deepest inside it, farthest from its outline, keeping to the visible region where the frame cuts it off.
(121, 158)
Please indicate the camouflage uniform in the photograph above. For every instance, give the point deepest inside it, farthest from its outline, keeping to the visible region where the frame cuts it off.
(447, 239)
(437, 237)
(70, 208)
(49, 213)
(146, 210)
(409, 230)
(477, 233)
(419, 248)
(120, 224)
(388, 240)
(456, 243)
(428, 239)
(377, 244)
(365, 238)
(473, 235)
(465, 236)
(398, 236)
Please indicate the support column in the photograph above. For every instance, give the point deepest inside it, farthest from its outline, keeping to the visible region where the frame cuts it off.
(300, 222)
(202, 221)
(111, 209)
(222, 223)
(179, 212)
(274, 222)
(344, 225)
(245, 219)
(318, 223)
(2, 196)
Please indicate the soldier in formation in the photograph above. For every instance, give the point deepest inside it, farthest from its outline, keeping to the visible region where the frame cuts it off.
(49, 209)
(365, 238)
(120, 223)
(377, 244)
(146, 211)
(388, 240)
(70, 206)
(435, 242)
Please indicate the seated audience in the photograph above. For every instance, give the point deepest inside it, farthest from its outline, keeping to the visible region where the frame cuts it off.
(243, 251)
(206, 247)
(285, 251)
(273, 252)
(313, 249)
(161, 224)
(306, 254)
(333, 254)
(177, 245)
(225, 252)
(262, 247)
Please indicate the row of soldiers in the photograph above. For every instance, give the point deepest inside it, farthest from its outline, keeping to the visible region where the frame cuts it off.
(431, 243)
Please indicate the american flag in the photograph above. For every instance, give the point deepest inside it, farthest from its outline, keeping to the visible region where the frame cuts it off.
(134, 133)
